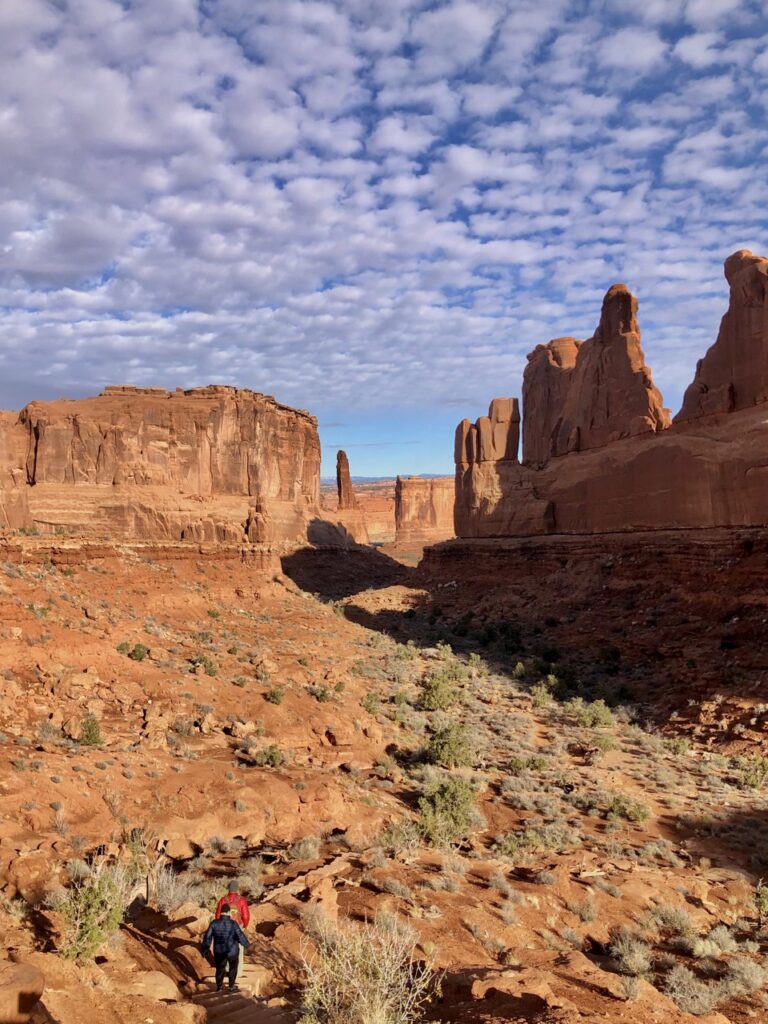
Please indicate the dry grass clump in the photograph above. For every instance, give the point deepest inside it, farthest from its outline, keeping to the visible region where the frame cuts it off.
(632, 955)
(364, 974)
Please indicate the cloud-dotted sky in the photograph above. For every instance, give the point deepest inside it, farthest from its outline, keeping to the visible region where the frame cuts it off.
(360, 205)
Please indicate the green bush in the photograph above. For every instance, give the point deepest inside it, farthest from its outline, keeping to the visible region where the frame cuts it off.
(439, 691)
(91, 911)
(451, 747)
(447, 811)
(90, 732)
(587, 715)
(139, 652)
(268, 757)
(275, 695)
(627, 808)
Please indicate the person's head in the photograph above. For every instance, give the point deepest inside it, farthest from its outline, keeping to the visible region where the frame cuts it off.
(234, 887)
(225, 910)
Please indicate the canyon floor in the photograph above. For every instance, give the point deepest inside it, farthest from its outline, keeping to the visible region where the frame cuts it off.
(303, 730)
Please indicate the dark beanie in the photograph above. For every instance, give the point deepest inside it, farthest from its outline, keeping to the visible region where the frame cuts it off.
(225, 909)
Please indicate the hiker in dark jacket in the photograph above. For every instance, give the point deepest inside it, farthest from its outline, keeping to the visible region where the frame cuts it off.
(227, 937)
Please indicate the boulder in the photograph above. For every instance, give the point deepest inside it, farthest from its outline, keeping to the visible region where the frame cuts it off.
(21, 987)
(151, 985)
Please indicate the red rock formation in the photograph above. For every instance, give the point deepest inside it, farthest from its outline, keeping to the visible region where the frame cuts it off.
(546, 381)
(491, 438)
(580, 395)
(153, 464)
(423, 509)
(734, 372)
(344, 482)
(691, 475)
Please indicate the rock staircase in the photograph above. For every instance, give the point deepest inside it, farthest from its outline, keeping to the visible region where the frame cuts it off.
(243, 1007)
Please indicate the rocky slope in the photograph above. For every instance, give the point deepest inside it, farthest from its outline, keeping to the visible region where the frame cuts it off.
(251, 724)
(602, 456)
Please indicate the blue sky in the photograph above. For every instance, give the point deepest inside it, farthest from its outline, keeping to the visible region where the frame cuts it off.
(370, 210)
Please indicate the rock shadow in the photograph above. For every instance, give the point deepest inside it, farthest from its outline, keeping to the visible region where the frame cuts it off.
(335, 567)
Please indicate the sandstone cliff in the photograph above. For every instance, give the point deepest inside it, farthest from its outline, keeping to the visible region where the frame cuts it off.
(423, 509)
(584, 395)
(608, 461)
(734, 372)
(176, 465)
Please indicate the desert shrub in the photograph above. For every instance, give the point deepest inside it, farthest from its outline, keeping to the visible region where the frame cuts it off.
(677, 745)
(371, 702)
(137, 653)
(400, 836)
(753, 772)
(742, 978)
(690, 993)
(209, 666)
(632, 955)
(673, 919)
(589, 715)
(172, 890)
(267, 757)
(307, 848)
(91, 910)
(451, 747)
(626, 808)
(447, 811)
(541, 694)
(438, 692)
(364, 974)
(321, 693)
(275, 695)
(520, 765)
(90, 731)
(761, 901)
(583, 909)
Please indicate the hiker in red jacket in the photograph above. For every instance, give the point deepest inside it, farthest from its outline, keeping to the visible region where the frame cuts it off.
(238, 912)
(238, 906)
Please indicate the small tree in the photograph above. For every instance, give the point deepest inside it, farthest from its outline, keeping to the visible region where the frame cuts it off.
(447, 811)
(364, 974)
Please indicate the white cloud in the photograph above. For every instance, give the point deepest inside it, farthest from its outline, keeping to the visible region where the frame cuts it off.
(348, 203)
(631, 49)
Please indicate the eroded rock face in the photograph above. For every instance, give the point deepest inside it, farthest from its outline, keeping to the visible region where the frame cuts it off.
(734, 372)
(580, 395)
(546, 381)
(493, 437)
(423, 509)
(152, 464)
(344, 482)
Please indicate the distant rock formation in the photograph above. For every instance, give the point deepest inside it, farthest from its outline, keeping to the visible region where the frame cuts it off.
(734, 373)
(622, 467)
(423, 509)
(580, 395)
(153, 464)
(344, 482)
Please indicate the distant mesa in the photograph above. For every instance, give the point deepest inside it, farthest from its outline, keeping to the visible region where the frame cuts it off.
(599, 451)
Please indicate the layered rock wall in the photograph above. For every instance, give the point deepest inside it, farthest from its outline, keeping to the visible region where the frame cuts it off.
(423, 510)
(182, 465)
(600, 454)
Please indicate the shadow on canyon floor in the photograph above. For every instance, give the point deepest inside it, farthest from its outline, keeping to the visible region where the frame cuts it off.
(335, 573)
